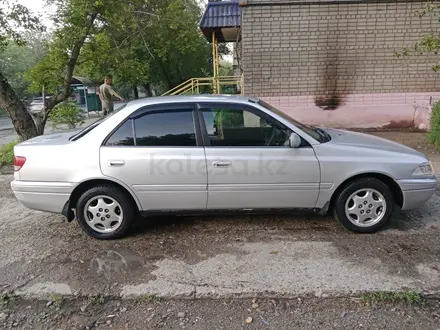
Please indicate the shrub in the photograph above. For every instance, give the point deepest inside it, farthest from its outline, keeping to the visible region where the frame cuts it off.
(7, 154)
(67, 113)
(434, 133)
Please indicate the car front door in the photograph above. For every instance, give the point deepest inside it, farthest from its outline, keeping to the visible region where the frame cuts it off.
(250, 163)
(158, 153)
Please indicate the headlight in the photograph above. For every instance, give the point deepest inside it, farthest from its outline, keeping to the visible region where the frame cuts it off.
(424, 169)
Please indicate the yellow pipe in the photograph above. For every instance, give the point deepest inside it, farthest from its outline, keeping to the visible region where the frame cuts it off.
(193, 85)
(215, 85)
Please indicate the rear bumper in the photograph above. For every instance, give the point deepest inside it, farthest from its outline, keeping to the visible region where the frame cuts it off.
(42, 196)
(416, 192)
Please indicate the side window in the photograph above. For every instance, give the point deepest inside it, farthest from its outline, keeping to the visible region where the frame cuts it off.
(123, 136)
(168, 128)
(240, 128)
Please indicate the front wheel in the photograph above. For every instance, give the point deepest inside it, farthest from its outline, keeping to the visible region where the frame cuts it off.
(105, 212)
(365, 205)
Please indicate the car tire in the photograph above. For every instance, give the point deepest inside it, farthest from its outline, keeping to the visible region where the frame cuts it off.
(352, 204)
(105, 212)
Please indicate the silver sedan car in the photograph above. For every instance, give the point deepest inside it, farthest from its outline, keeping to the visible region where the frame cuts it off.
(211, 153)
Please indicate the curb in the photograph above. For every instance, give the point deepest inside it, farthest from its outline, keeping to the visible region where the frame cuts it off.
(49, 290)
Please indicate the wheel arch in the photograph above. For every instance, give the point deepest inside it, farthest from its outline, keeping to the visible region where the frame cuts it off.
(389, 181)
(85, 185)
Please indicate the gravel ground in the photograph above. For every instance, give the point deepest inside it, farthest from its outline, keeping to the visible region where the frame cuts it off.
(302, 313)
(269, 256)
(276, 255)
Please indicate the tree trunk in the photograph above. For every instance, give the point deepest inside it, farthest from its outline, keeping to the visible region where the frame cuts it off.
(148, 92)
(168, 80)
(21, 119)
(40, 120)
(136, 92)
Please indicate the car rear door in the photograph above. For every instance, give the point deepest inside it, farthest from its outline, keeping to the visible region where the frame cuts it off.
(250, 164)
(158, 153)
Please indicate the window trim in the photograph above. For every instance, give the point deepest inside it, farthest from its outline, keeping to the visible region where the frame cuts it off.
(244, 107)
(158, 108)
(113, 131)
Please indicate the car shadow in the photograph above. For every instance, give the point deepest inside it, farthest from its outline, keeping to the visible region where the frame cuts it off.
(274, 222)
(286, 222)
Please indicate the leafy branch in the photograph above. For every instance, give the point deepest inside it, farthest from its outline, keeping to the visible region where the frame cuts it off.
(429, 43)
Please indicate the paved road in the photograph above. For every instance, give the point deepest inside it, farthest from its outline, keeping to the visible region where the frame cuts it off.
(7, 133)
(217, 256)
(5, 123)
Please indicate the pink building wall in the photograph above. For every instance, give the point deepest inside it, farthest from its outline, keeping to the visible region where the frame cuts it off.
(391, 110)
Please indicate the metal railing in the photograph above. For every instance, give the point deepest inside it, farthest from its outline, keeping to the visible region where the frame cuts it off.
(208, 85)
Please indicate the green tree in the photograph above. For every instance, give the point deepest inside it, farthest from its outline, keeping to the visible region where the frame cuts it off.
(96, 37)
(76, 22)
(178, 47)
(117, 52)
(226, 68)
(13, 15)
(156, 42)
(15, 60)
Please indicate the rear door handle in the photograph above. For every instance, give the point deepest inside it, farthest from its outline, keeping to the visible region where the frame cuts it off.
(116, 163)
(222, 164)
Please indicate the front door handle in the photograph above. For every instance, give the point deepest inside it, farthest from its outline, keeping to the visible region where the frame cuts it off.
(116, 163)
(221, 164)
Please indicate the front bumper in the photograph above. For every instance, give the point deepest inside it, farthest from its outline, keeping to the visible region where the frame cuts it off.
(416, 192)
(42, 196)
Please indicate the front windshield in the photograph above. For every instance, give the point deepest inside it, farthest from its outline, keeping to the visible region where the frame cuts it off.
(96, 123)
(314, 132)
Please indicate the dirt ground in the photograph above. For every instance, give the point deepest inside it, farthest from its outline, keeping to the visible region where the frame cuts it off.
(301, 313)
(202, 272)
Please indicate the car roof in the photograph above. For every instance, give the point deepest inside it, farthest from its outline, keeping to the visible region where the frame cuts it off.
(191, 98)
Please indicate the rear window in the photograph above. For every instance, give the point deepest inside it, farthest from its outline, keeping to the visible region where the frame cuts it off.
(93, 125)
(123, 136)
(165, 128)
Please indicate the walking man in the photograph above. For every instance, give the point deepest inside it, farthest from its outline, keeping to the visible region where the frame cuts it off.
(106, 93)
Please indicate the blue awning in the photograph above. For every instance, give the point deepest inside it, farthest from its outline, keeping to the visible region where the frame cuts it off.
(223, 18)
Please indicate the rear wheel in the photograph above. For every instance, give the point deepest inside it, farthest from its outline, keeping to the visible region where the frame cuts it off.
(105, 212)
(365, 205)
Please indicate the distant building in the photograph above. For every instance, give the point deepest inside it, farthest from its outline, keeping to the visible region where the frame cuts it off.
(332, 62)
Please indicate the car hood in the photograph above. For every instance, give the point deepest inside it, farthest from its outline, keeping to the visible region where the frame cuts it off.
(361, 140)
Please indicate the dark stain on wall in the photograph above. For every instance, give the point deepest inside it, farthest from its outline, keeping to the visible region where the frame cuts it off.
(337, 75)
(331, 102)
(399, 124)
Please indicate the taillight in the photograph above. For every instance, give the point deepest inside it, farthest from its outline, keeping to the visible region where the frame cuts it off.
(19, 162)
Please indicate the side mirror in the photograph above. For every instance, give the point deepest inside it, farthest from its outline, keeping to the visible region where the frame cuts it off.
(294, 140)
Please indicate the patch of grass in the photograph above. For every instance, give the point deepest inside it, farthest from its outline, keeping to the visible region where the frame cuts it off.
(57, 300)
(409, 297)
(6, 299)
(96, 300)
(7, 153)
(434, 133)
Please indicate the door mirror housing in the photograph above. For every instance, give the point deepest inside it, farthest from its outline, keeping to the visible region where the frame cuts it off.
(294, 140)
